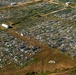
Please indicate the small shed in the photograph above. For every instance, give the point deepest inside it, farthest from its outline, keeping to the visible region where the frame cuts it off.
(5, 25)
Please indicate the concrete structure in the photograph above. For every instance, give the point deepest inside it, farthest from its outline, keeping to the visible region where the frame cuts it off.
(5, 25)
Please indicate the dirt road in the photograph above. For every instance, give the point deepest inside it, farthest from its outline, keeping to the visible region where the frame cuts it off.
(45, 49)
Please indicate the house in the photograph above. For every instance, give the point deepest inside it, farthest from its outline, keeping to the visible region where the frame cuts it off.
(5, 25)
(67, 3)
(22, 34)
(52, 62)
(13, 3)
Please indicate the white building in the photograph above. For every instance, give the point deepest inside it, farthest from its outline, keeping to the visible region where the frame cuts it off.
(67, 3)
(5, 25)
(51, 62)
(13, 3)
(22, 34)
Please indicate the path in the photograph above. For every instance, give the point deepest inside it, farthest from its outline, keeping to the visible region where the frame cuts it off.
(44, 48)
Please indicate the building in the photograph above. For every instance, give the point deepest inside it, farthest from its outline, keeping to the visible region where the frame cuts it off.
(5, 25)
(67, 3)
(13, 3)
(22, 34)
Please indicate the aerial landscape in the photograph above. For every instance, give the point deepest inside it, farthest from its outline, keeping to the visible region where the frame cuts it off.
(37, 37)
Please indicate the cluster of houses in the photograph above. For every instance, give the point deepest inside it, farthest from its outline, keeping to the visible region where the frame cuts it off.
(54, 33)
(13, 50)
(11, 2)
(67, 14)
(12, 13)
(20, 12)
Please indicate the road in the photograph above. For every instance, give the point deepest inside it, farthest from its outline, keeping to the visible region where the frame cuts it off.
(18, 5)
(32, 41)
(44, 48)
(53, 12)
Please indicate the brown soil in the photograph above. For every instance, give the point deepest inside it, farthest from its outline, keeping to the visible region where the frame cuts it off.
(47, 54)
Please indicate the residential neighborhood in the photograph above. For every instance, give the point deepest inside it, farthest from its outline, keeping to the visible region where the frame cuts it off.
(37, 37)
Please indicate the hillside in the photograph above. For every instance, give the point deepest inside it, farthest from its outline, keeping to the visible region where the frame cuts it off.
(40, 40)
